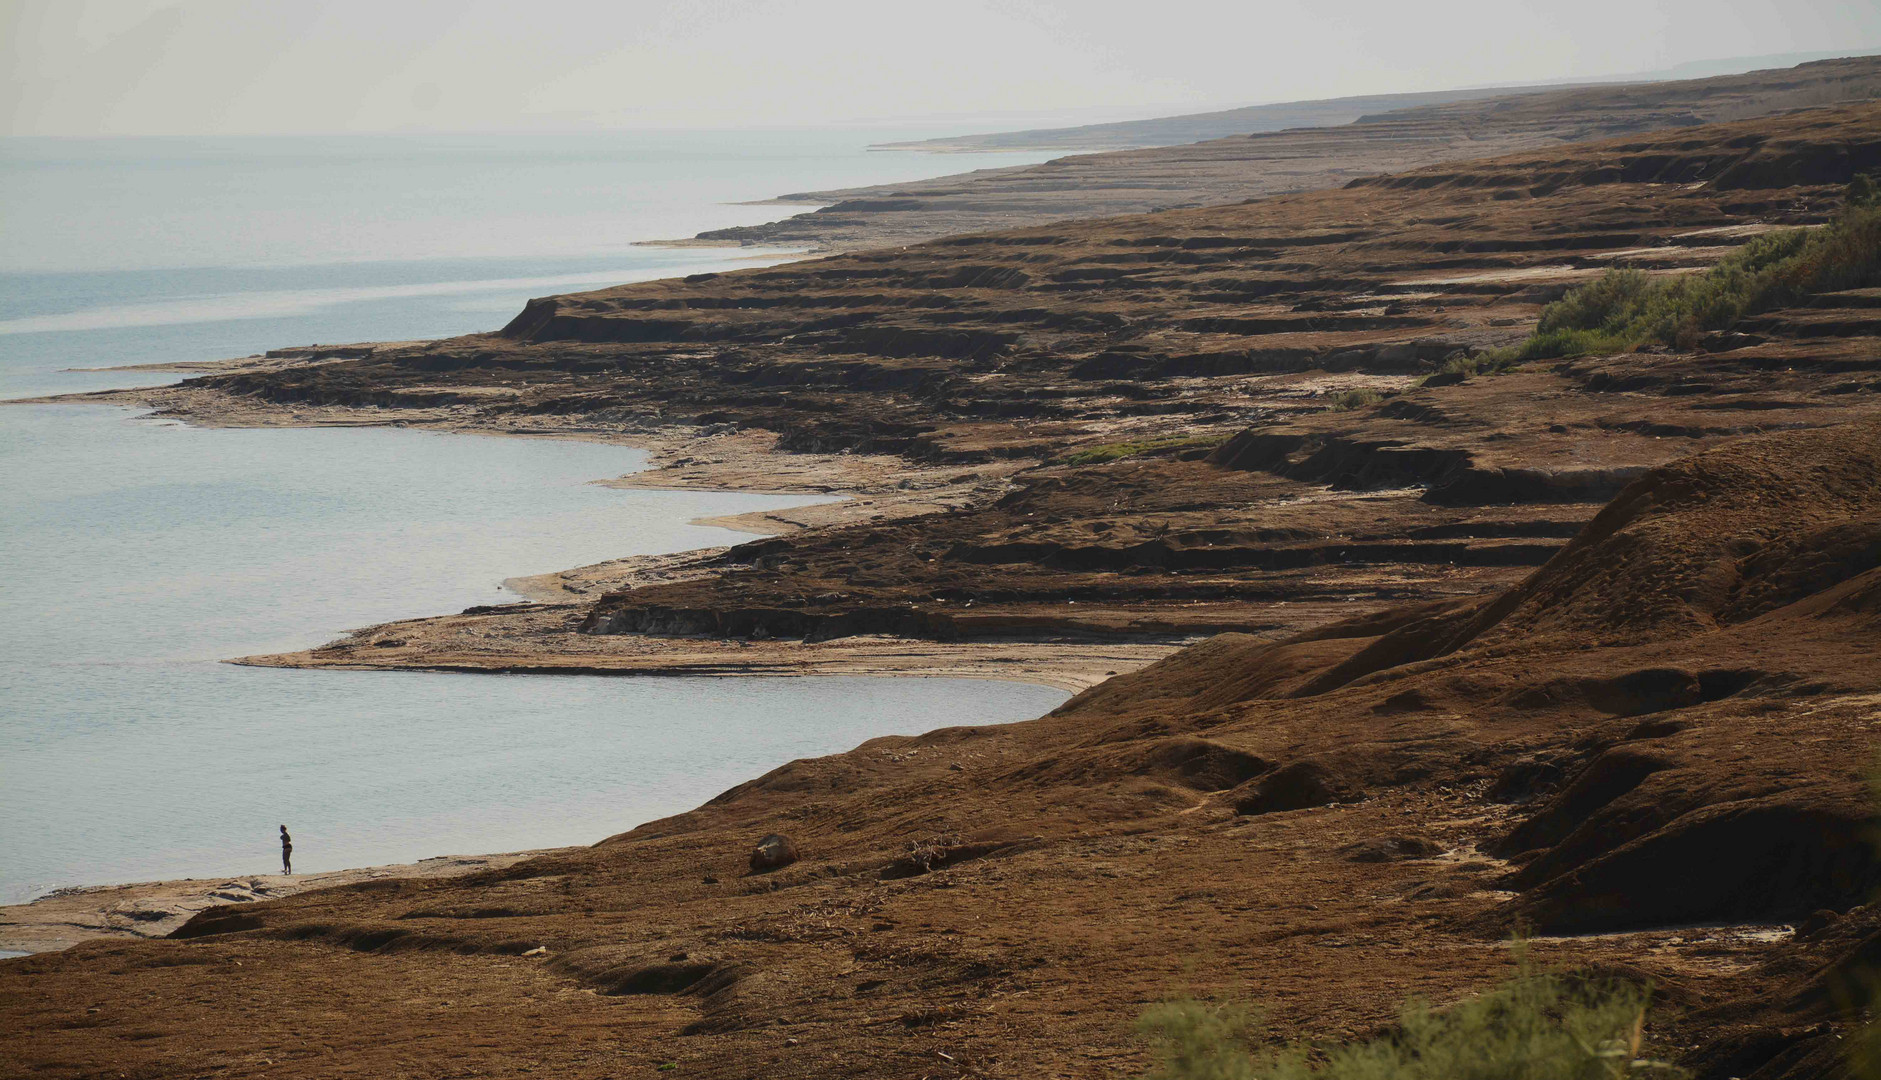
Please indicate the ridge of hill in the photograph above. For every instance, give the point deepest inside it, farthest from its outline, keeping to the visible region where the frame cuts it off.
(1232, 169)
(1324, 112)
(1199, 127)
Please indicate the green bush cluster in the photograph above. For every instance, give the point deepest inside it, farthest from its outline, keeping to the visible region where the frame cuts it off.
(1863, 190)
(1354, 399)
(1625, 309)
(1476, 364)
(1483, 363)
(1537, 1026)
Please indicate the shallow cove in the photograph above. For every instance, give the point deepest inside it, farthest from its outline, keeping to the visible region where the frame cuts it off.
(140, 553)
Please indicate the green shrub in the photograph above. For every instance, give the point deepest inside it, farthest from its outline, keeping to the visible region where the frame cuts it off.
(1494, 362)
(1537, 1026)
(1354, 399)
(1863, 190)
(1094, 455)
(1624, 309)
(1472, 365)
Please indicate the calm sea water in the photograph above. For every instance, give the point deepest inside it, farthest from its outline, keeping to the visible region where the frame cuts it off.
(137, 251)
(138, 553)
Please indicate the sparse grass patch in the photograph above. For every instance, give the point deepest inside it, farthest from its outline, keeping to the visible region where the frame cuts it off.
(1537, 1026)
(1624, 309)
(1095, 455)
(1354, 399)
(1493, 362)
(1467, 365)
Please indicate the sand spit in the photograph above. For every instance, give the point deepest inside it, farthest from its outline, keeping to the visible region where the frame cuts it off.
(531, 637)
(153, 909)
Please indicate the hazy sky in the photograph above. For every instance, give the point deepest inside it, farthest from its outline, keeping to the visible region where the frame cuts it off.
(88, 67)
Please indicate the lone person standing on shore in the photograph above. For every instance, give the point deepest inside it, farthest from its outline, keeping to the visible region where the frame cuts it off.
(287, 853)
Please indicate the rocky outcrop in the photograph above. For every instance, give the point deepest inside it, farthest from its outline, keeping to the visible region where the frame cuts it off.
(774, 852)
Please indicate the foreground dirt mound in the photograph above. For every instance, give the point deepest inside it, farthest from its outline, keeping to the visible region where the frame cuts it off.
(1714, 540)
(1691, 606)
(1711, 541)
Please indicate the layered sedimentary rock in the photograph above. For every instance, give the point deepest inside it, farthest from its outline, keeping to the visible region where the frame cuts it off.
(1211, 350)
(1593, 647)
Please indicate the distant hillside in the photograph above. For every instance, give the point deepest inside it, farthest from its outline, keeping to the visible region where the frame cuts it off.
(1249, 166)
(1327, 112)
(1197, 127)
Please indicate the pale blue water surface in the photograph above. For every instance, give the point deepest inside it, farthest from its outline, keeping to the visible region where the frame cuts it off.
(135, 554)
(140, 251)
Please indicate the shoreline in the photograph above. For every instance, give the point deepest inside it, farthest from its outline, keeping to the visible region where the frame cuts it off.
(140, 910)
(1068, 666)
(860, 488)
(526, 637)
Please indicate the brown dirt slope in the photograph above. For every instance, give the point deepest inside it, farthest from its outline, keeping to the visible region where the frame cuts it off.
(1674, 773)
(1268, 162)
